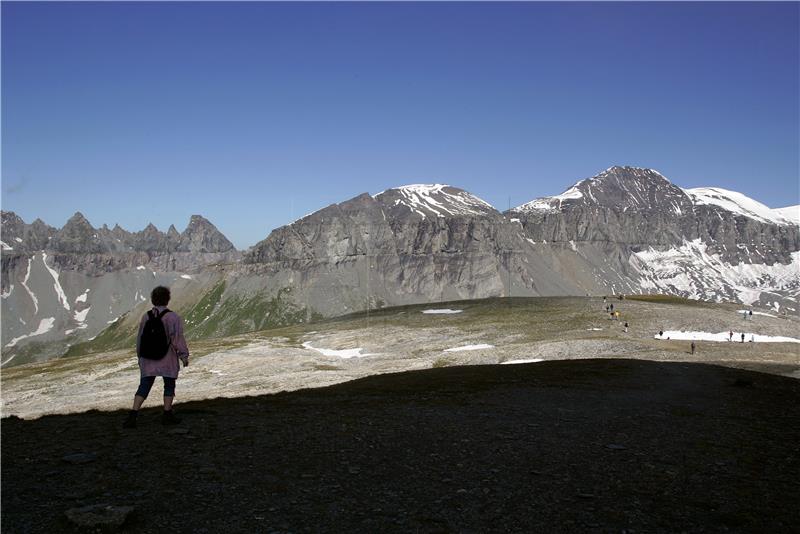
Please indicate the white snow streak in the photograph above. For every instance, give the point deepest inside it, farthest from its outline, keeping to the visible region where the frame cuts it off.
(25, 285)
(470, 347)
(529, 360)
(82, 297)
(56, 285)
(443, 311)
(8, 293)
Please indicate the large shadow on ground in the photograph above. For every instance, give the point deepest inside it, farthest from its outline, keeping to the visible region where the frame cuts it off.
(582, 445)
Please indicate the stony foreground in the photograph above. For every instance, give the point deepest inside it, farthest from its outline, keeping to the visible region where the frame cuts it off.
(584, 445)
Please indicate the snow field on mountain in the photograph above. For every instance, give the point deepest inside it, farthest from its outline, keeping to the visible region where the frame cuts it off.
(736, 203)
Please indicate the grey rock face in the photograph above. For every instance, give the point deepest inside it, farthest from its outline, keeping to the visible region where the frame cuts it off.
(202, 236)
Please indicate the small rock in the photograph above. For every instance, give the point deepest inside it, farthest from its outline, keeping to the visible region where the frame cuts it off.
(99, 515)
(80, 458)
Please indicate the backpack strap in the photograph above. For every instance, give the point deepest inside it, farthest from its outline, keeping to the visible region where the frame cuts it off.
(163, 313)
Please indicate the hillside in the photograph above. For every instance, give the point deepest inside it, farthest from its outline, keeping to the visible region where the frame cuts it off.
(487, 331)
(575, 446)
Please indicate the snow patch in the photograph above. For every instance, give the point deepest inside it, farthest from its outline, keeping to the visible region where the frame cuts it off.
(529, 360)
(45, 325)
(5, 247)
(432, 199)
(141, 268)
(690, 271)
(757, 313)
(186, 276)
(470, 347)
(346, 353)
(82, 297)
(7, 294)
(723, 336)
(80, 316)
(790, 213)
(443, 311)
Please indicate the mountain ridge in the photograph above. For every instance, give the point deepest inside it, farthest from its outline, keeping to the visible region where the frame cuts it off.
(625, 230)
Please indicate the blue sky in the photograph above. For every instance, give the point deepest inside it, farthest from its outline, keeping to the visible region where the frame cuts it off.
(253, 114)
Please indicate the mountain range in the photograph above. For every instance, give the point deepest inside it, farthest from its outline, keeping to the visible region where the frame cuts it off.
(625, 230)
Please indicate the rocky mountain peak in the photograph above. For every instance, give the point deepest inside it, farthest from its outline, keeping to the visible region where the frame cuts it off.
(619, 188)
(77, 235)
(434, 201)
(202, 236)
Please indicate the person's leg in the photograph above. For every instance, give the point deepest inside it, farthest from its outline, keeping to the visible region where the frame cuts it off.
(169, 393)
(145, 384)
(168, 417)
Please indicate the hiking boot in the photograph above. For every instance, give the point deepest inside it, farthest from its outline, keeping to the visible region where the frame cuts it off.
(130, 421)
(169, 418)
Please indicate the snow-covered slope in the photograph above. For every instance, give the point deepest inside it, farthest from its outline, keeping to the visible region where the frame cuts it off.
(790, 213)
(736, 203)
(435, 200)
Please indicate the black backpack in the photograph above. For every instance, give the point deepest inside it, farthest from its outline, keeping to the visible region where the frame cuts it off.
(155, 342)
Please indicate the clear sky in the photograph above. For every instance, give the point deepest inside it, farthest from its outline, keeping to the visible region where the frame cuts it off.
(254, 114)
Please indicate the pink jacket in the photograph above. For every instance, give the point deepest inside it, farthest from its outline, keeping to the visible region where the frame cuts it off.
(168, 365)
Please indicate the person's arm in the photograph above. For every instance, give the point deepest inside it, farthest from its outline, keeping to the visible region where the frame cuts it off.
(139, 334)
(179, 342)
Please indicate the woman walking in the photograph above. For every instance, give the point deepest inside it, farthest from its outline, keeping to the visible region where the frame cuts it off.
(159, 346)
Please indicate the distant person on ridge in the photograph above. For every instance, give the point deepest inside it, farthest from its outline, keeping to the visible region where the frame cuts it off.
(742, 337)
(159, 346)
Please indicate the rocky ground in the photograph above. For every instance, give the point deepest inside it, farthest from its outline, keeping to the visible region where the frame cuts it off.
(605, 445)
(401, 339)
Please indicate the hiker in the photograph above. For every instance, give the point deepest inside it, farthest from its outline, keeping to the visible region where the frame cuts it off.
(152, 339)
(730, 335)
(660, 333)
(626, 327)
(744, 314)
(616, 316)
(752, 338)
(751, 314)
(611, 308)
(693, 347)
(742, 337)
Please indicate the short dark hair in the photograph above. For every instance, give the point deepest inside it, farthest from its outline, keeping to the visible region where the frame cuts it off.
(160, 296)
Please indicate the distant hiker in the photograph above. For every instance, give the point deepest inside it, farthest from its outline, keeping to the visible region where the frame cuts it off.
(730, 335)
(159, 346)
(742, 337)
(660, 333)
(744, 314)
(751, 314)
(626, 327)
(693, 347)
(611, 307)
(752, 338)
